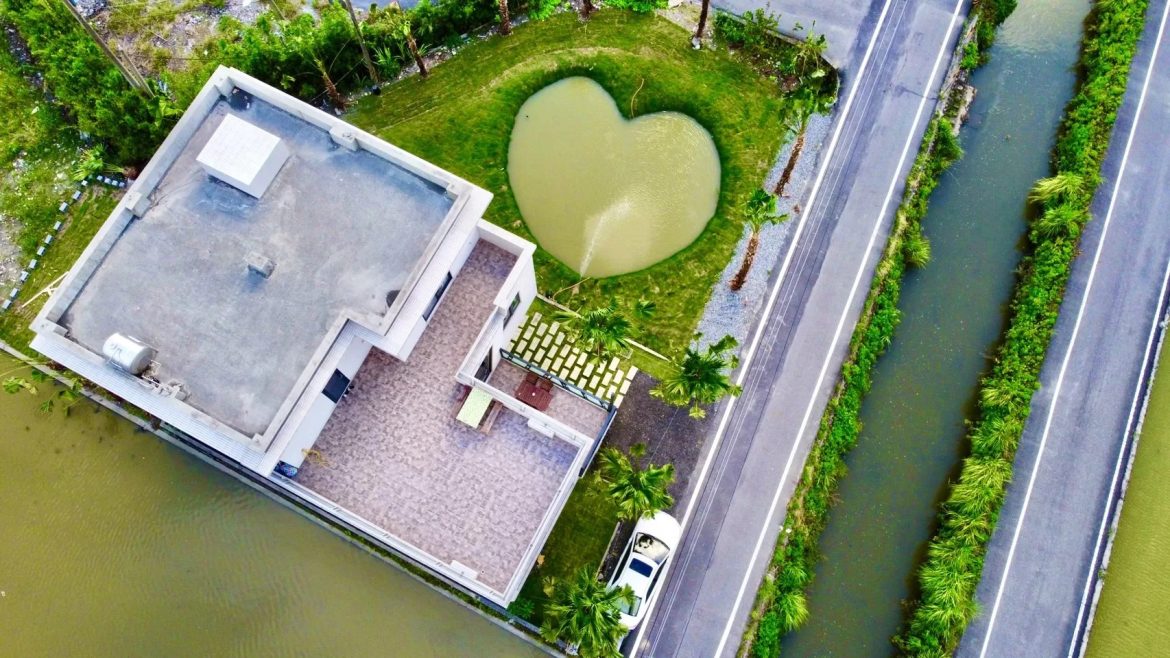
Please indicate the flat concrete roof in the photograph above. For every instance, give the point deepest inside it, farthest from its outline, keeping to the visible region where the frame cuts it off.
(344, 229)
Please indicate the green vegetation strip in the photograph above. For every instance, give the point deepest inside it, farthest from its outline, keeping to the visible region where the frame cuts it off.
(955, 556)
(781, 603)
(461, 118)
(1134, 612)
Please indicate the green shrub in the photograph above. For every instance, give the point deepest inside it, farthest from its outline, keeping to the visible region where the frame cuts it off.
(768, 635)
(792, 608)
(954, 562)
(641, 6)
(522, 607)
(728, 29)
(541, 9)
(972, 58)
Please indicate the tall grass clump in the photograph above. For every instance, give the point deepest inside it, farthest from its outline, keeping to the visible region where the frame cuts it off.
(954, 562)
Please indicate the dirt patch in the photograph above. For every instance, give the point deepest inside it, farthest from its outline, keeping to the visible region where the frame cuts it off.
(162, 34)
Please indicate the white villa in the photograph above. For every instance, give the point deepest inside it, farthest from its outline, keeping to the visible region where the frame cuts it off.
(331, 317)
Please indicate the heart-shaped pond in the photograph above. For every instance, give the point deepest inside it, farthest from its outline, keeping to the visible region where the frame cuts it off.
(607, 195)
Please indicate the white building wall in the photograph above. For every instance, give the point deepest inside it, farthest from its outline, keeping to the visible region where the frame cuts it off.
(409, 324)
(305, 423)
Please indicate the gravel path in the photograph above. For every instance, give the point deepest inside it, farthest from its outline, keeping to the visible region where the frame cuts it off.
(734, 313)
(10, 256)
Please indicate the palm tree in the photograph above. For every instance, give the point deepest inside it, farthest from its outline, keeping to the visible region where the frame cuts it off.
(701, 378)
(603, 331)
(304, 41)
(759, 210)
(586, 613)
(638, 492)
(357, 29)
(400, 26)
(697, 40)
(505, 20)
(804, 103)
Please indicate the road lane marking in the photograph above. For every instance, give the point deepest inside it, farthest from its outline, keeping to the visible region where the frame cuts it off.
(1139, 400)
(1090, 581)
(1071, 345)
(766, 531)
(745, 364)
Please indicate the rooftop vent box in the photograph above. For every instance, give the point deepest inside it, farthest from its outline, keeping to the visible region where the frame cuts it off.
(243, 156)
(260, 264)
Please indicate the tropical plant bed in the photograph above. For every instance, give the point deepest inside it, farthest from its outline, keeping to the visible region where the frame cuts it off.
(37, 153)
(461, 118)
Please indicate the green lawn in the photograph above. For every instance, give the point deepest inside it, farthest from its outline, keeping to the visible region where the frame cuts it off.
(1134, 612)
(461, 118)
(579, 538)
(37, 150)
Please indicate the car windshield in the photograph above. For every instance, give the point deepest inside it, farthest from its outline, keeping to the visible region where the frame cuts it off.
(638, 566)
(630, 607)
(651, 548)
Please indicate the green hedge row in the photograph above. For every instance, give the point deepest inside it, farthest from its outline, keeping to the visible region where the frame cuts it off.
(954, 560)
(90, 89)
(283, 53)
(781, 604)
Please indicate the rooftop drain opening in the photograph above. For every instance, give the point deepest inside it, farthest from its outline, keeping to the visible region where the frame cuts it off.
(239, 99)
(243, 155)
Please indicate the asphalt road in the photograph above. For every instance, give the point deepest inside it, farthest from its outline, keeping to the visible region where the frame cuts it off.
(1043, 559)
(732, 522)
(846, 25)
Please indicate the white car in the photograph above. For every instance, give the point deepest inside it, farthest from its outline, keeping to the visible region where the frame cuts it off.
(650, 548)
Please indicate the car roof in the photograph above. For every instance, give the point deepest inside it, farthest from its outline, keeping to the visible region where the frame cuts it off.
(661, 526)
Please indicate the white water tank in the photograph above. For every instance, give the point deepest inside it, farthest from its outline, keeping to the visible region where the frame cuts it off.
(128, 353)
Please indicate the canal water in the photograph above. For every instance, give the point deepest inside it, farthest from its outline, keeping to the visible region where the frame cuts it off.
(114, 543)
(953, 312)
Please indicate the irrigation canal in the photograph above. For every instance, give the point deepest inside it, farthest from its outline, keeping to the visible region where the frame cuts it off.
(118, 544)
(953, 312)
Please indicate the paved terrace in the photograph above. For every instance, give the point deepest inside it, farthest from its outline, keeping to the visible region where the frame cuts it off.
(177, 277)
(574, 411)
(394, 453)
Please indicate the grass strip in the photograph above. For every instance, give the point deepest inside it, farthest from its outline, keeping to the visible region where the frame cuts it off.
(1134, 610)
(781, 602)
(954, 562)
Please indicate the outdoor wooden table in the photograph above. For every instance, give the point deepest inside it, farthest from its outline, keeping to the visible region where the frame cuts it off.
(534, 394)
(474, 407)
